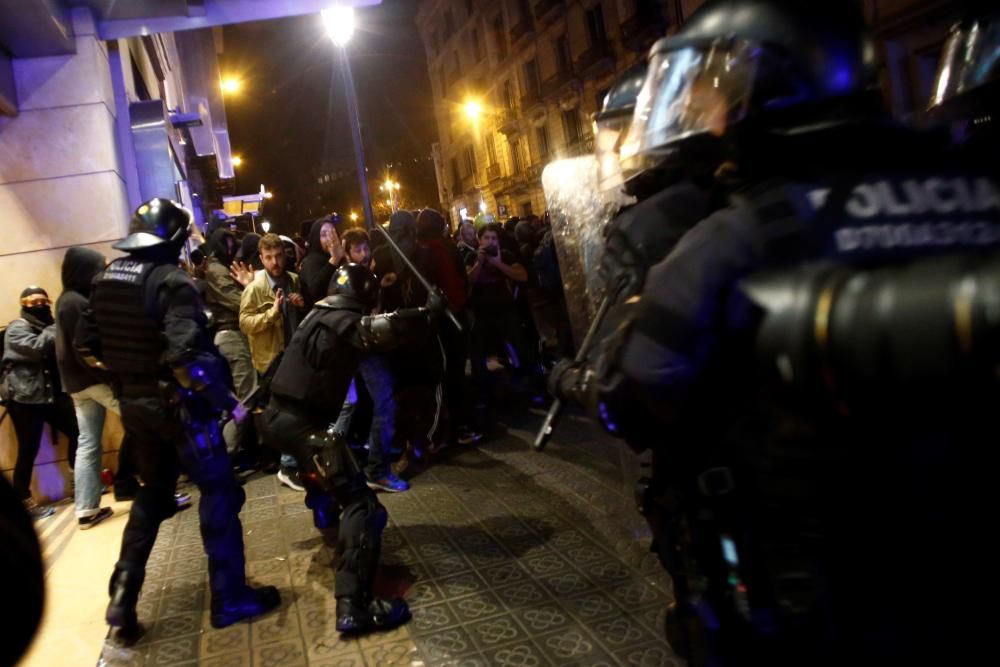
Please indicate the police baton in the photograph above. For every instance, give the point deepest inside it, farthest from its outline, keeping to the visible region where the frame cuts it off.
(555, 410)
(423, 281)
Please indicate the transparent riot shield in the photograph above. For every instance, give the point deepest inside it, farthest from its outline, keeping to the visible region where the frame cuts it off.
(578, 211)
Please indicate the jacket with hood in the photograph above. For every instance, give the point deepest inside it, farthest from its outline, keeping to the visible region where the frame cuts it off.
(316, 270)
(80, 267)
(222, 292)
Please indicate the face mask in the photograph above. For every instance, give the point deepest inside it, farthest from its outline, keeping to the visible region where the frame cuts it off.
(41, 313)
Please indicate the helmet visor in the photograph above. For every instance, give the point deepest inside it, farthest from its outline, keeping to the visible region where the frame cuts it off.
(692, 90)
(970, 58)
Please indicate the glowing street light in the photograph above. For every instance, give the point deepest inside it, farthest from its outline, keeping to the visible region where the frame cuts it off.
(231, 85)
(473, 109)
(354, 216)
(237, 160)
(266, 226)
(268, 195)
(339, 23)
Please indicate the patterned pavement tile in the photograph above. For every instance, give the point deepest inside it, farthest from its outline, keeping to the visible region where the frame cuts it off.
(496, 631)
(393, 654)
(652, 655)
(476, 606)
(325, 644)
(522, 654)
(433, 618)
(231, 640)
(172, 652)
(444, 645)
(590, 606)
(287, 653)
(573, 645)
(522, 594)
(461, 584)
(227, 660)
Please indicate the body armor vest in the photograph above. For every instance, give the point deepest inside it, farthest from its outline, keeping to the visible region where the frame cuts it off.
(316, 369)
(131, 341)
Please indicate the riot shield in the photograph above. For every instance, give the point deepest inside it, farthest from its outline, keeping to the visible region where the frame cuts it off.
(578, 212)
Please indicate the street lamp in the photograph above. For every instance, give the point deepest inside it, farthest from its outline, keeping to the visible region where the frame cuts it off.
(339, 23)
(266, 226)
(472, 110)
(231, 85)
(237, 160)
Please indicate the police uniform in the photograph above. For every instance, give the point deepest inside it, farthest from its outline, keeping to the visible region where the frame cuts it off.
(147, 326)
(310, 384)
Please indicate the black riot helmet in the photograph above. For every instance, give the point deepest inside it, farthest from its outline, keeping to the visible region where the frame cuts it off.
(356, 282)
(778, 66)
(157, 223)
(612, 122)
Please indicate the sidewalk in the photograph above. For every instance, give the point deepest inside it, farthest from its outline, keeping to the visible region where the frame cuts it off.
(507, 557)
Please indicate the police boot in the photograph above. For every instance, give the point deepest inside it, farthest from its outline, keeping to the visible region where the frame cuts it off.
(246, 603)
(124, 591)
(355, 616)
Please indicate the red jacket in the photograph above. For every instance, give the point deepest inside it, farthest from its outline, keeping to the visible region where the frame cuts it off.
(442, 265)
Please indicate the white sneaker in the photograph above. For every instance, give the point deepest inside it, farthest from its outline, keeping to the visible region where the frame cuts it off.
(290, 478)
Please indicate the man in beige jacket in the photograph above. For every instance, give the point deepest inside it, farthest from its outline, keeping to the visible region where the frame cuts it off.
(270, 310)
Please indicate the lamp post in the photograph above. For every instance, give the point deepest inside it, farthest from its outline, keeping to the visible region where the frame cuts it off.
(339, 23)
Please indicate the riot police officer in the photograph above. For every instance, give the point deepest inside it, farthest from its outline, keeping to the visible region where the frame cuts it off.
(310, 385)
(801, 492)
(147, 326)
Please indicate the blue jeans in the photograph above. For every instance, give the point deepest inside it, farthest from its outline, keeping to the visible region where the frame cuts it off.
(378, 380)
(91, 407)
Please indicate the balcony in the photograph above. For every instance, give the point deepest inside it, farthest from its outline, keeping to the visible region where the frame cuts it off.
(558, 83)
(508, 121)
(493, 173)
(545, 10)
(533, 174)
(582, 145)
(521, 30)
(596, 60)
(530, 100)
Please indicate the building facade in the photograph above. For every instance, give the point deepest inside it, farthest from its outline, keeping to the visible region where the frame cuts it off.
(515, 82)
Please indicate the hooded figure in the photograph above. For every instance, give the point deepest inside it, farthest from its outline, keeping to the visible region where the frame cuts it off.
(222, 246)
(80, 267)
(317, 270)
(248, 252)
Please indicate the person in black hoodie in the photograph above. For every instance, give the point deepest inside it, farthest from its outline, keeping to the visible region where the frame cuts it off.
(87, 386)
(36, 396)
(325, 254)
(222, 296)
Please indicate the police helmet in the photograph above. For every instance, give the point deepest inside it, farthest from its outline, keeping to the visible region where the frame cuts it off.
(158, 222)
(612, 122)
(967, 84)
(357, 282)
(772, 64)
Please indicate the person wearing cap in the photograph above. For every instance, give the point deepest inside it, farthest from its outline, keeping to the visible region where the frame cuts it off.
(35, 396)
(146, 324)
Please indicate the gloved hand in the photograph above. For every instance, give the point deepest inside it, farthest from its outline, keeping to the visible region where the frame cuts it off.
(436, 302)
(622, 268)
(563, 377)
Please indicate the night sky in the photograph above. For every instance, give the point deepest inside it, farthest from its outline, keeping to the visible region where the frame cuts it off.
(289, 122)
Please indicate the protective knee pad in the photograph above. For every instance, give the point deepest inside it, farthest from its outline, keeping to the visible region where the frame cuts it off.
(328, 461)
(326, 511)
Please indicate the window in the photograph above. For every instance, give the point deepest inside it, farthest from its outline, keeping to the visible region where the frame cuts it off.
(525, 209)
(596, 33)
(543, 141)
(508, 94)
(571, 126)
(477, 47)
(456, 178)
(515, 156)
(449, 23)
(491, 149)
(470, 160)
(531, 86)
(499, 34)
(564, 61)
